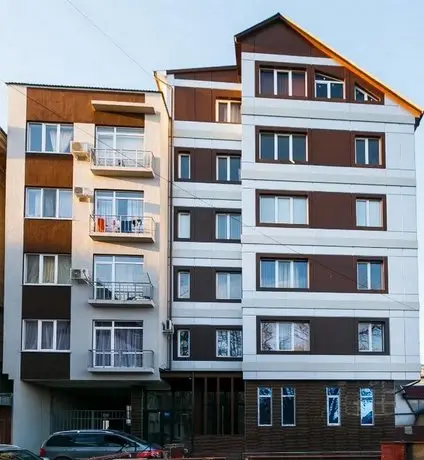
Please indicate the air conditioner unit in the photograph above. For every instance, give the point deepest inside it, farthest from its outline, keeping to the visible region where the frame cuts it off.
(79, 275)
(168, 327)
(83, 192)
(80, 150)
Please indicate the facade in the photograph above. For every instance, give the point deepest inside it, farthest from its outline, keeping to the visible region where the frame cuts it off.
(295, 297)
(86, 238)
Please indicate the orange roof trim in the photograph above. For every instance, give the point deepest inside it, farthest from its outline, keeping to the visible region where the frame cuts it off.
(415, 110)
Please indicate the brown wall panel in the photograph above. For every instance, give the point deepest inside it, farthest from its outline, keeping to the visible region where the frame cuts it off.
(311, 433)
(48, 235)
(332, 210)
(73, 106)
(45, 366)
(202, 343)
(46, 302)
(49, 170)
(223, 74)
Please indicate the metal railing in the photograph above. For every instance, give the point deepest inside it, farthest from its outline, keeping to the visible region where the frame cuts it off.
(122, 158)
(122, 290)
(120, 359)
(135, 225)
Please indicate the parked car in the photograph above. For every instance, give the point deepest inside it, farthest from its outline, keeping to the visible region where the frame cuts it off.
(75, 444)
(16, 453)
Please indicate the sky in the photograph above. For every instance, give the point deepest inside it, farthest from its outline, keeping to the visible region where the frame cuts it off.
(48, 41)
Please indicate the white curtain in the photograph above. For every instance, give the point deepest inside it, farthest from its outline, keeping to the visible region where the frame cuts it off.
(285, 338)
(48, 269)
(268, 273)
(66, 134)
(63, 335)
(51, 138)
(31, 335)
(32, 268)
(235, 113)
(33, 202)
(65, 203)
(283, 274)
(283, 211)
(49, 202)
(47, 335)
(103, 348)
(64, 269)
(222, 112)
(300, 274)
(128, 348)
(267, 209)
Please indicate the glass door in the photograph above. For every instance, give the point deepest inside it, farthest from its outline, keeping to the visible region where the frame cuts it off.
(103, 348)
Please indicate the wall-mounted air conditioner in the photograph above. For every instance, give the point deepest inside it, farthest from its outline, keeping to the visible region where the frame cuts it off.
(83, 193)
(168, 327)
(80, 150)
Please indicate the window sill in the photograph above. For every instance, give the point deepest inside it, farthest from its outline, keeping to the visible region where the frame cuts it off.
(281, 225)
(49, 218)
(46, 284)
(374, 229)
(282, 162)
(275, 289)
(29, 152)
(45, 351)
(282, 96)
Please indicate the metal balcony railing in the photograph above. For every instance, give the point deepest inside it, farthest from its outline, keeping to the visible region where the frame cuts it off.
(120, 359)
(122, 158)
(123, 291)
(126, 225)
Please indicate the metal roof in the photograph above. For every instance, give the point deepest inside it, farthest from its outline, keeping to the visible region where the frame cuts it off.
(83, 88)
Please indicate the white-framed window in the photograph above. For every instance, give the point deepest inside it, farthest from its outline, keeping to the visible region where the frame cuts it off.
(228, 111)
(228, 226)
(370, 275)
(229, 343)
(183, 288)
(119, 204)
(49, 137)
(228, 168)
(126, 140)
(284, 274)
(47, 269)
(184, 225)
(371, 337)
(366, 396)
(183, 343)
(329, 87)
(264, 406)
(288, 406)
(228, 286)
(184, 166)
(283, 210)
(285, 336)
(333, 406)
(369, 212)
(364, 96)
(283, 82)
(368, 151)
(117, 344)
(46, 335)
(283, 147)
(48, 203)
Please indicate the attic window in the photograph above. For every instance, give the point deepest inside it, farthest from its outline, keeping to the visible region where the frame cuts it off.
(363, 96)
(328, 87)
(282, 82)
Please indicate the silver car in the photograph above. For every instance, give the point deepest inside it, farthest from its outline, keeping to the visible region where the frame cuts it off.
(75, 444)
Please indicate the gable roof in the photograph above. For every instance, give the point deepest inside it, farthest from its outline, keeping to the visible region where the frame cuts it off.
(415, 110)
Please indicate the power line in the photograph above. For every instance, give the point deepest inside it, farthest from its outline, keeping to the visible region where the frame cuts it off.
(173, 183)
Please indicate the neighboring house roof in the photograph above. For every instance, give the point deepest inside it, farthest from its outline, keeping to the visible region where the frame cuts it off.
(415, 110)
(202, 69)
(83, 88)
(414, 392)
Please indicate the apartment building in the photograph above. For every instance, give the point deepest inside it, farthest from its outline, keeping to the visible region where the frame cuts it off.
(294, 256)
(86, 256)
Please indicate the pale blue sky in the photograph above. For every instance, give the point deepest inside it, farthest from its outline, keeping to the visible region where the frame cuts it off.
(47, 41)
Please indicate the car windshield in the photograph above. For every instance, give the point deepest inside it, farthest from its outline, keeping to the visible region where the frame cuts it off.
(18, 455)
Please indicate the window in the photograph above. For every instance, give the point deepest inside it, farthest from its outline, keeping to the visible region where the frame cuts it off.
(264, 406)
(370, 275)
(228, 226)
(328, 87)
(49, 137)
(288, 406)
(120, 212)
(183, 343)
(367, 406)
(183, 291)
(47, 269)
(118, 344)
(228, 111)
(367, 151)
(363, 96)
(285, 336)
(184, 166)
(46, 335)
(333, 406)
(228, 286)
(229, 343)
(126, 139)
(49, 203)
(120, 278)
(369, 213)
(283, 82)
(284, 274)
(371, 337)
(283, 147)
(184, 225)
(228, 168)
(283, 210)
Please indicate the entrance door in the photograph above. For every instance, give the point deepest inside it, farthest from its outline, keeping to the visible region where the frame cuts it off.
(159, 427)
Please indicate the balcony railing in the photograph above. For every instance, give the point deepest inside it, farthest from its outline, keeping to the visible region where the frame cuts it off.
(121, 360)
(122, 158)
(123, 291)
(133, 227)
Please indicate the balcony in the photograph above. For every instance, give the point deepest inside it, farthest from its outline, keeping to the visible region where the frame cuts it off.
(122, 228)
(122, 294)
(121, 361)
(122, 162)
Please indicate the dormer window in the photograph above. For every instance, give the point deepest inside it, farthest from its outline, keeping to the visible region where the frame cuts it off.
(363, 96)
(328, 87)
(276, 82)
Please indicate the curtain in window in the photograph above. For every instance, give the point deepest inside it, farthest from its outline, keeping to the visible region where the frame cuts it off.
(128, 348)
(283, 210)
(269, 336)
(236, 345)
(374, 213)
(103, 348)
(31, 335)
(283, 274)
(51, 138)
(300, 210)
(298, 84)
(64, 269)
(221, 286)
(235, 286)
(267, 82)
(222, 111)
(300, 274)
(48, 269)
(128, 275)
(377, 337)
(33, 203)
(47, 335)
(66, 135)
(65, 203)
(221, 227)
(361, 213)
(285, 336)
(32, 268)
(63, 335)
(49, 202)
(282, 83)
(235, 113)
(268, 273)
